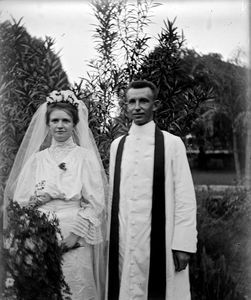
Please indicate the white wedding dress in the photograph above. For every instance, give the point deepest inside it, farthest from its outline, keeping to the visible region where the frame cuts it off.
(77, 201)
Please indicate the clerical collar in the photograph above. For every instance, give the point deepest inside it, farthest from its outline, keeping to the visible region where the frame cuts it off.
(68, 144)
(145, 129)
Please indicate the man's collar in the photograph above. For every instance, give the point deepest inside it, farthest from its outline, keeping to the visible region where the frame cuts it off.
(146, 129)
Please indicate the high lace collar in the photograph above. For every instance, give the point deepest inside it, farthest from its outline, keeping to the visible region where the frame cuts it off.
(59, 150)
(68, 144)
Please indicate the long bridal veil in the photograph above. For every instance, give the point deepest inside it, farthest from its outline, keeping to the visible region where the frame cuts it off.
(37, 137)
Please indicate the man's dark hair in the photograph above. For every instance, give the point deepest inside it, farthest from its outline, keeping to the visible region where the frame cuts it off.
(138, 84)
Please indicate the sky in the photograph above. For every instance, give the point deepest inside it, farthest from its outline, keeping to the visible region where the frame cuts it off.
(209, 27)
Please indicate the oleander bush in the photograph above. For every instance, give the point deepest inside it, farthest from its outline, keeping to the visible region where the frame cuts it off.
(30, 69)
(220, 269)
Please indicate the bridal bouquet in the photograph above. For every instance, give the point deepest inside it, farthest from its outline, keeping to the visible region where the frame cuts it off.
(32, 256)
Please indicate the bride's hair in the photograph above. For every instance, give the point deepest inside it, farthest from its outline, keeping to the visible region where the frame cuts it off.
(67, 107)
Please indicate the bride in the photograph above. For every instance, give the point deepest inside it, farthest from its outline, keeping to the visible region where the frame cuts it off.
(68, 180)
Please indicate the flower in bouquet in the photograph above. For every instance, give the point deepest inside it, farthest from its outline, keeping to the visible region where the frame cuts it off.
(9, 283)
(32, 256)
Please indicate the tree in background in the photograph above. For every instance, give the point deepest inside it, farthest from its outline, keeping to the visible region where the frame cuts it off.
(181, 95)
(121, 44)
(224, 123)
(29, 71)
(248, 141)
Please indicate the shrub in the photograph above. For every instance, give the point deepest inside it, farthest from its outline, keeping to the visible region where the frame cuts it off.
(210, 279)
(222, 259)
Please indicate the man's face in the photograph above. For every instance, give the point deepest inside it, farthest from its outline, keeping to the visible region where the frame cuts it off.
(140, 105)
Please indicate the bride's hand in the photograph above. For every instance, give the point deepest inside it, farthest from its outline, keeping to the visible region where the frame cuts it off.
(44, 198)
(36, 201)
(70, 241)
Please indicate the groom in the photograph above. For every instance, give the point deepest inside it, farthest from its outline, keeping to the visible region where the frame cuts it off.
(153, 218)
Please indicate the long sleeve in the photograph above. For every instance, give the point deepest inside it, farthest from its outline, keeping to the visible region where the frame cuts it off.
(185, 234)
(26, 182)
(89, 218)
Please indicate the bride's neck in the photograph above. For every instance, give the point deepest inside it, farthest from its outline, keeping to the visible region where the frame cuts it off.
(69, 141)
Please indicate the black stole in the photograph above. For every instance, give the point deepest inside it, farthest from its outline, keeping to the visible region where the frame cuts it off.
(157, 272)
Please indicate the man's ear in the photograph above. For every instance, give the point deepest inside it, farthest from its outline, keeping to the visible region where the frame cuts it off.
(156, 105)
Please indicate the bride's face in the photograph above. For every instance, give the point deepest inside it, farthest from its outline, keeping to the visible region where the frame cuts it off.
(61, 125)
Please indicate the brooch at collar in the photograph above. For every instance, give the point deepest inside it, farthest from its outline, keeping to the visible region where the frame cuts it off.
(62, 166)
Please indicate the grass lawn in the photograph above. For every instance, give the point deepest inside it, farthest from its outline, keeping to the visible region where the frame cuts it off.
(213, 177)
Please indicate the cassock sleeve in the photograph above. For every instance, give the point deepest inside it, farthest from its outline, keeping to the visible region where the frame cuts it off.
(89, 218)
(185, 233)
(26, 182)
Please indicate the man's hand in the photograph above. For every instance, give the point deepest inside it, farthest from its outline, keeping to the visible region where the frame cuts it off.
(181, 260)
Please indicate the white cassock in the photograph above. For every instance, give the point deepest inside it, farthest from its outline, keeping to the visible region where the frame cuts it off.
(135, 211)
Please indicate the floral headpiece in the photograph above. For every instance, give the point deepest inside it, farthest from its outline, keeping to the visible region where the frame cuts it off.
(63, 96)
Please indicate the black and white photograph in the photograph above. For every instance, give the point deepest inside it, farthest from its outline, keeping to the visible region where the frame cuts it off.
(125, 137)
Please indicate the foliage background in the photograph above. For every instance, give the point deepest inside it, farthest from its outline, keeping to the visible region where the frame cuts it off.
(29, 71)
(221, 267)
